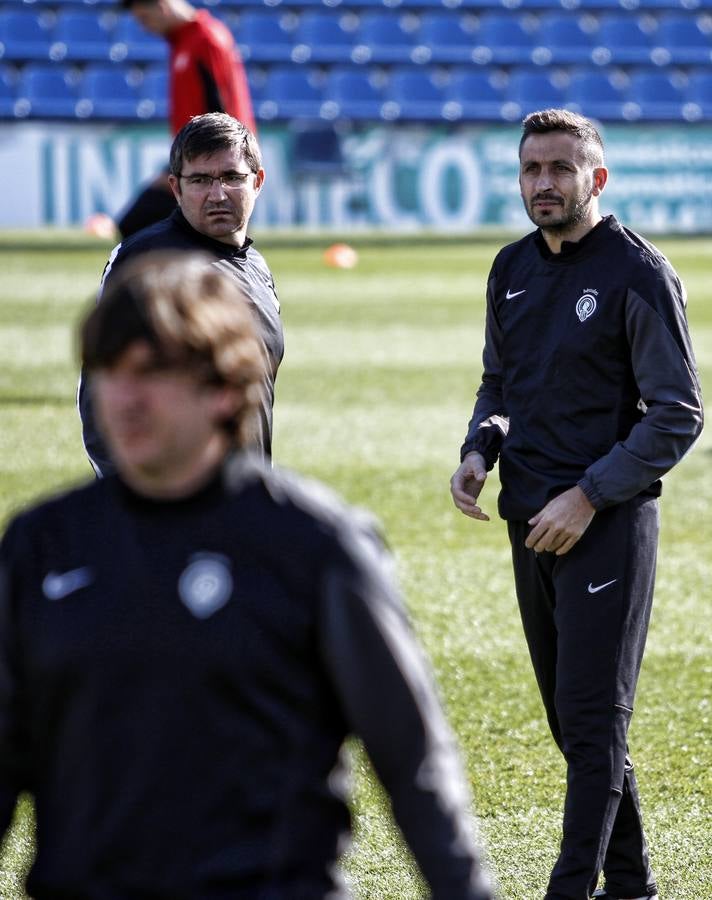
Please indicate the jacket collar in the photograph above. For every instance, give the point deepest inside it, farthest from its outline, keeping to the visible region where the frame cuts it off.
(571, 248)
(217, 248)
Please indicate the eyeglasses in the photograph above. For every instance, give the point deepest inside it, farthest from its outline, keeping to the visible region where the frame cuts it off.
(201, 181)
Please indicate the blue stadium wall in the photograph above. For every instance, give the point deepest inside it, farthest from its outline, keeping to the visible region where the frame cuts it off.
(390, 176)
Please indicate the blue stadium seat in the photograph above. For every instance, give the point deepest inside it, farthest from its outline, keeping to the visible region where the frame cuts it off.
(564, 38)
(410, 6)
(324, 37)
(683, 40)
(290, 4)
(48, 91)
(364, 5)
(599, 5)
(503, 39)
(264, 37)
(133, 43)
(153, 93)
(413, 93)
(399, 6)
(657, 95)
(597, 93)
(220, 6)
(80, 36)
(316, 151)
(449, 37)
(488, 6)
(291, 92)
(387, 37)
(23, 36)
(106, 93)
(698, 95)
(473, 94)
(628, 7)
(685, 5)
(8, 91)
(256, 78)
(529, 90)
(98, 6)
(355, 92)
(622, 39)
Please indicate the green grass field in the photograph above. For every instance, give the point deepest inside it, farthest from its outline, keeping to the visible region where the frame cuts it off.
(373, 397)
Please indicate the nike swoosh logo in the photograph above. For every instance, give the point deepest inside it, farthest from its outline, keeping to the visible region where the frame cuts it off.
(58, 585)
(599, 587)
(511, 295)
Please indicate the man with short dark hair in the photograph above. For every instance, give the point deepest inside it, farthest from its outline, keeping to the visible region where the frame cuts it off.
(186, 644)
(589, 395)
(216, 176)
(206, 75)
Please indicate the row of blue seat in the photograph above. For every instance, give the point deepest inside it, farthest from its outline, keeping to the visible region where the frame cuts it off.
(387, 37)
(76, 36)
(514, 5)
(459, 93)
(462, 93)
(491, 38)
(50, 91)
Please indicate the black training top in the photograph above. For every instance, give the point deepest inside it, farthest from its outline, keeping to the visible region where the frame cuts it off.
(589, 376)
(176, 683)
(249, 269)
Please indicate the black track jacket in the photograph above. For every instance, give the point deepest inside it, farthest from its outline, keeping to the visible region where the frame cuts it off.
(176, 683)
(249, 269)
(589, 375)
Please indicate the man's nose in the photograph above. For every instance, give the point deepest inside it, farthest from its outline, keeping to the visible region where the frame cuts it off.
(217, 190)
(544, 181)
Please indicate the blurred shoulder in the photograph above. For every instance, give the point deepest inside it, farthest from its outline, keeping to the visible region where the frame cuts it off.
(59, 512)
(302, 509)
(515, 252)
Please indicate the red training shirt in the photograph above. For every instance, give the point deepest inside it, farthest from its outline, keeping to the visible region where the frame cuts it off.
(207, 74)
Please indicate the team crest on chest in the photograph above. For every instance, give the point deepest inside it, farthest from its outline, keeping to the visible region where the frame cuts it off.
(586, 304)
(205, 585)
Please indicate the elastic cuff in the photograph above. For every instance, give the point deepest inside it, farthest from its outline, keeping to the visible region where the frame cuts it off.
(592, 495)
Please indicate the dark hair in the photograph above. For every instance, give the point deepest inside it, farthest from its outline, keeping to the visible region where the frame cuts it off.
(547, 120)
(194, 317)
(209, 133)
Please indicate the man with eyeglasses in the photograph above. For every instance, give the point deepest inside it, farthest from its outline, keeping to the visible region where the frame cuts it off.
(216, 176)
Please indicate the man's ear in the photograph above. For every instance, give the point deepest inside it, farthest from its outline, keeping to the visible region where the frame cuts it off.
(227, 402)
(600, 177)
(175, 187)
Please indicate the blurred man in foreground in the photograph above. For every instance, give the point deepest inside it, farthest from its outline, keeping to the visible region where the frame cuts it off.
(185, 645)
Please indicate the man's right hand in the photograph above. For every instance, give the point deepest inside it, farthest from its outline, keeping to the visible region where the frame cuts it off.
(466, 484)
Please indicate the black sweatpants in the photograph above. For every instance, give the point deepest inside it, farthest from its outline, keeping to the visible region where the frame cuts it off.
(585, 617)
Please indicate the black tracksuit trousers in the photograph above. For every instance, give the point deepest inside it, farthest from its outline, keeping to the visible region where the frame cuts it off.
(585, 617)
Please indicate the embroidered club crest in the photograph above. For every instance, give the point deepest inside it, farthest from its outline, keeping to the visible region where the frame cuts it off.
(205, 585)
(586, 304)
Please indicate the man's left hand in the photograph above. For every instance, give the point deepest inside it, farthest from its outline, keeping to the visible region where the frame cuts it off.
(561, 523)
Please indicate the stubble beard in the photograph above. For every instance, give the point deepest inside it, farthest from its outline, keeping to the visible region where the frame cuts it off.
(569, 217)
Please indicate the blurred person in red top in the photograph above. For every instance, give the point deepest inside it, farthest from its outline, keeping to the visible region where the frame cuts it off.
(206, 75)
